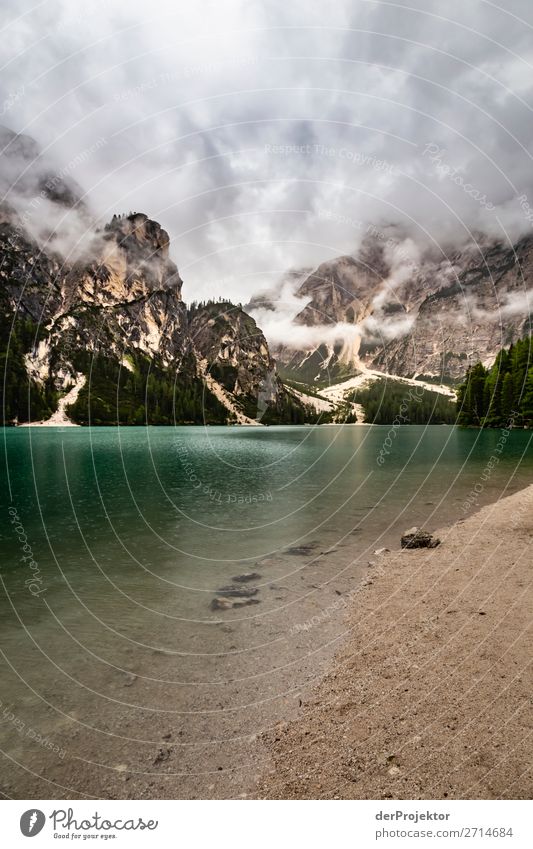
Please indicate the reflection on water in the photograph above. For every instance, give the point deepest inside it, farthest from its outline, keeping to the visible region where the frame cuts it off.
(133, 532)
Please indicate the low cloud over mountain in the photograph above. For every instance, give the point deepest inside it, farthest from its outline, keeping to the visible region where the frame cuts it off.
(271, 138)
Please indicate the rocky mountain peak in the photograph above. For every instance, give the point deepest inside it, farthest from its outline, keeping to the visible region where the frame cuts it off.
(135, 249)
(118, 312)
(138, 235)
(415, 312)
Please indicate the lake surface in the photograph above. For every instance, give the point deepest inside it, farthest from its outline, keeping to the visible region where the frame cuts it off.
(118, 679)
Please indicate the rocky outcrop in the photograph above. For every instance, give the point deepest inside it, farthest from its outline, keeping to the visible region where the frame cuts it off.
(124, 303)
(341, 290)
(409, 313)
(468, 319)
(128, 296)
(236, 351)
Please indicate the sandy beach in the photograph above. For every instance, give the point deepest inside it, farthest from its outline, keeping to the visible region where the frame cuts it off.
(430, 695)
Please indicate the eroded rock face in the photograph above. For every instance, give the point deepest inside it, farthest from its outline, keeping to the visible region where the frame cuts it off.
(237, 353)
(411, 314)
(117, 291)
(477, 311)
(28, 276)
(128, 261)
(141, 248)
(136, 289)
(341, 291)
(127, 298)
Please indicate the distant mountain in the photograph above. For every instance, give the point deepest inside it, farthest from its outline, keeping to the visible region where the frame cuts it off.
(112, 323)
(487, 303)
(390, 308)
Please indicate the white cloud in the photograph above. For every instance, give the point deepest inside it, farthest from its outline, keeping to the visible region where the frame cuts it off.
(517, 303)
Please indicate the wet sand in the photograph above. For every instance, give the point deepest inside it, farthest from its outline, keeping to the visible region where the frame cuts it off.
(430, 695)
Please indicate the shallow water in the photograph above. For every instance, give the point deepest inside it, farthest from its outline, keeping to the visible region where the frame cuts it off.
(114, 647)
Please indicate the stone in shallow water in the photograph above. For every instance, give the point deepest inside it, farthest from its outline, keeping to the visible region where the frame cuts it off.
(229, 603)
(305, 548)
(238, 592)
(246, 576)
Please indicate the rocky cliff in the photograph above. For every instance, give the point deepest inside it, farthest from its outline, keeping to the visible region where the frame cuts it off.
(394, 308)
(110, 319)
(119, 321)
(486, 304)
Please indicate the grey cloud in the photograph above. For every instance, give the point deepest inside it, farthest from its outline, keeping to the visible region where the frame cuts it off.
(192, 100)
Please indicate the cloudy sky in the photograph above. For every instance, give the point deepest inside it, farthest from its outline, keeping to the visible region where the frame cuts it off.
(266, 135)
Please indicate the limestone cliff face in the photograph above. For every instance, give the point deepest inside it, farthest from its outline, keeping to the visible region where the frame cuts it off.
(409, 314)
(229, 340)
(86, 289)
(129, 295)
(340, 291)
(122, 302)
(484, 306)
(28, 276)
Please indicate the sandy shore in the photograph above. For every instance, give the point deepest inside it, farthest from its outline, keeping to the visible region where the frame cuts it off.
(431, 695)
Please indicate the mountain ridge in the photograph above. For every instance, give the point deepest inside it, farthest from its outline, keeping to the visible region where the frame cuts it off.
(125, 307)
(408, 313)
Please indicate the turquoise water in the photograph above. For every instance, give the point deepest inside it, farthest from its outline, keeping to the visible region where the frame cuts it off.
(133, 531)
(180, 502)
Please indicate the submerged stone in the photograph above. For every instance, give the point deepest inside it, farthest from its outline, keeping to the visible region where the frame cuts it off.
(238, 592)
(246, 576)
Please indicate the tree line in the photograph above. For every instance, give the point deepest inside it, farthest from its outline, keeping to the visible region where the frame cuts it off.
(390, 401)
(21, 398)
(148, 394)
(500, 395)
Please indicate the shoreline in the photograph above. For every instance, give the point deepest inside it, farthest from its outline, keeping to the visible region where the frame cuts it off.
(193, 744)
(428, 696)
